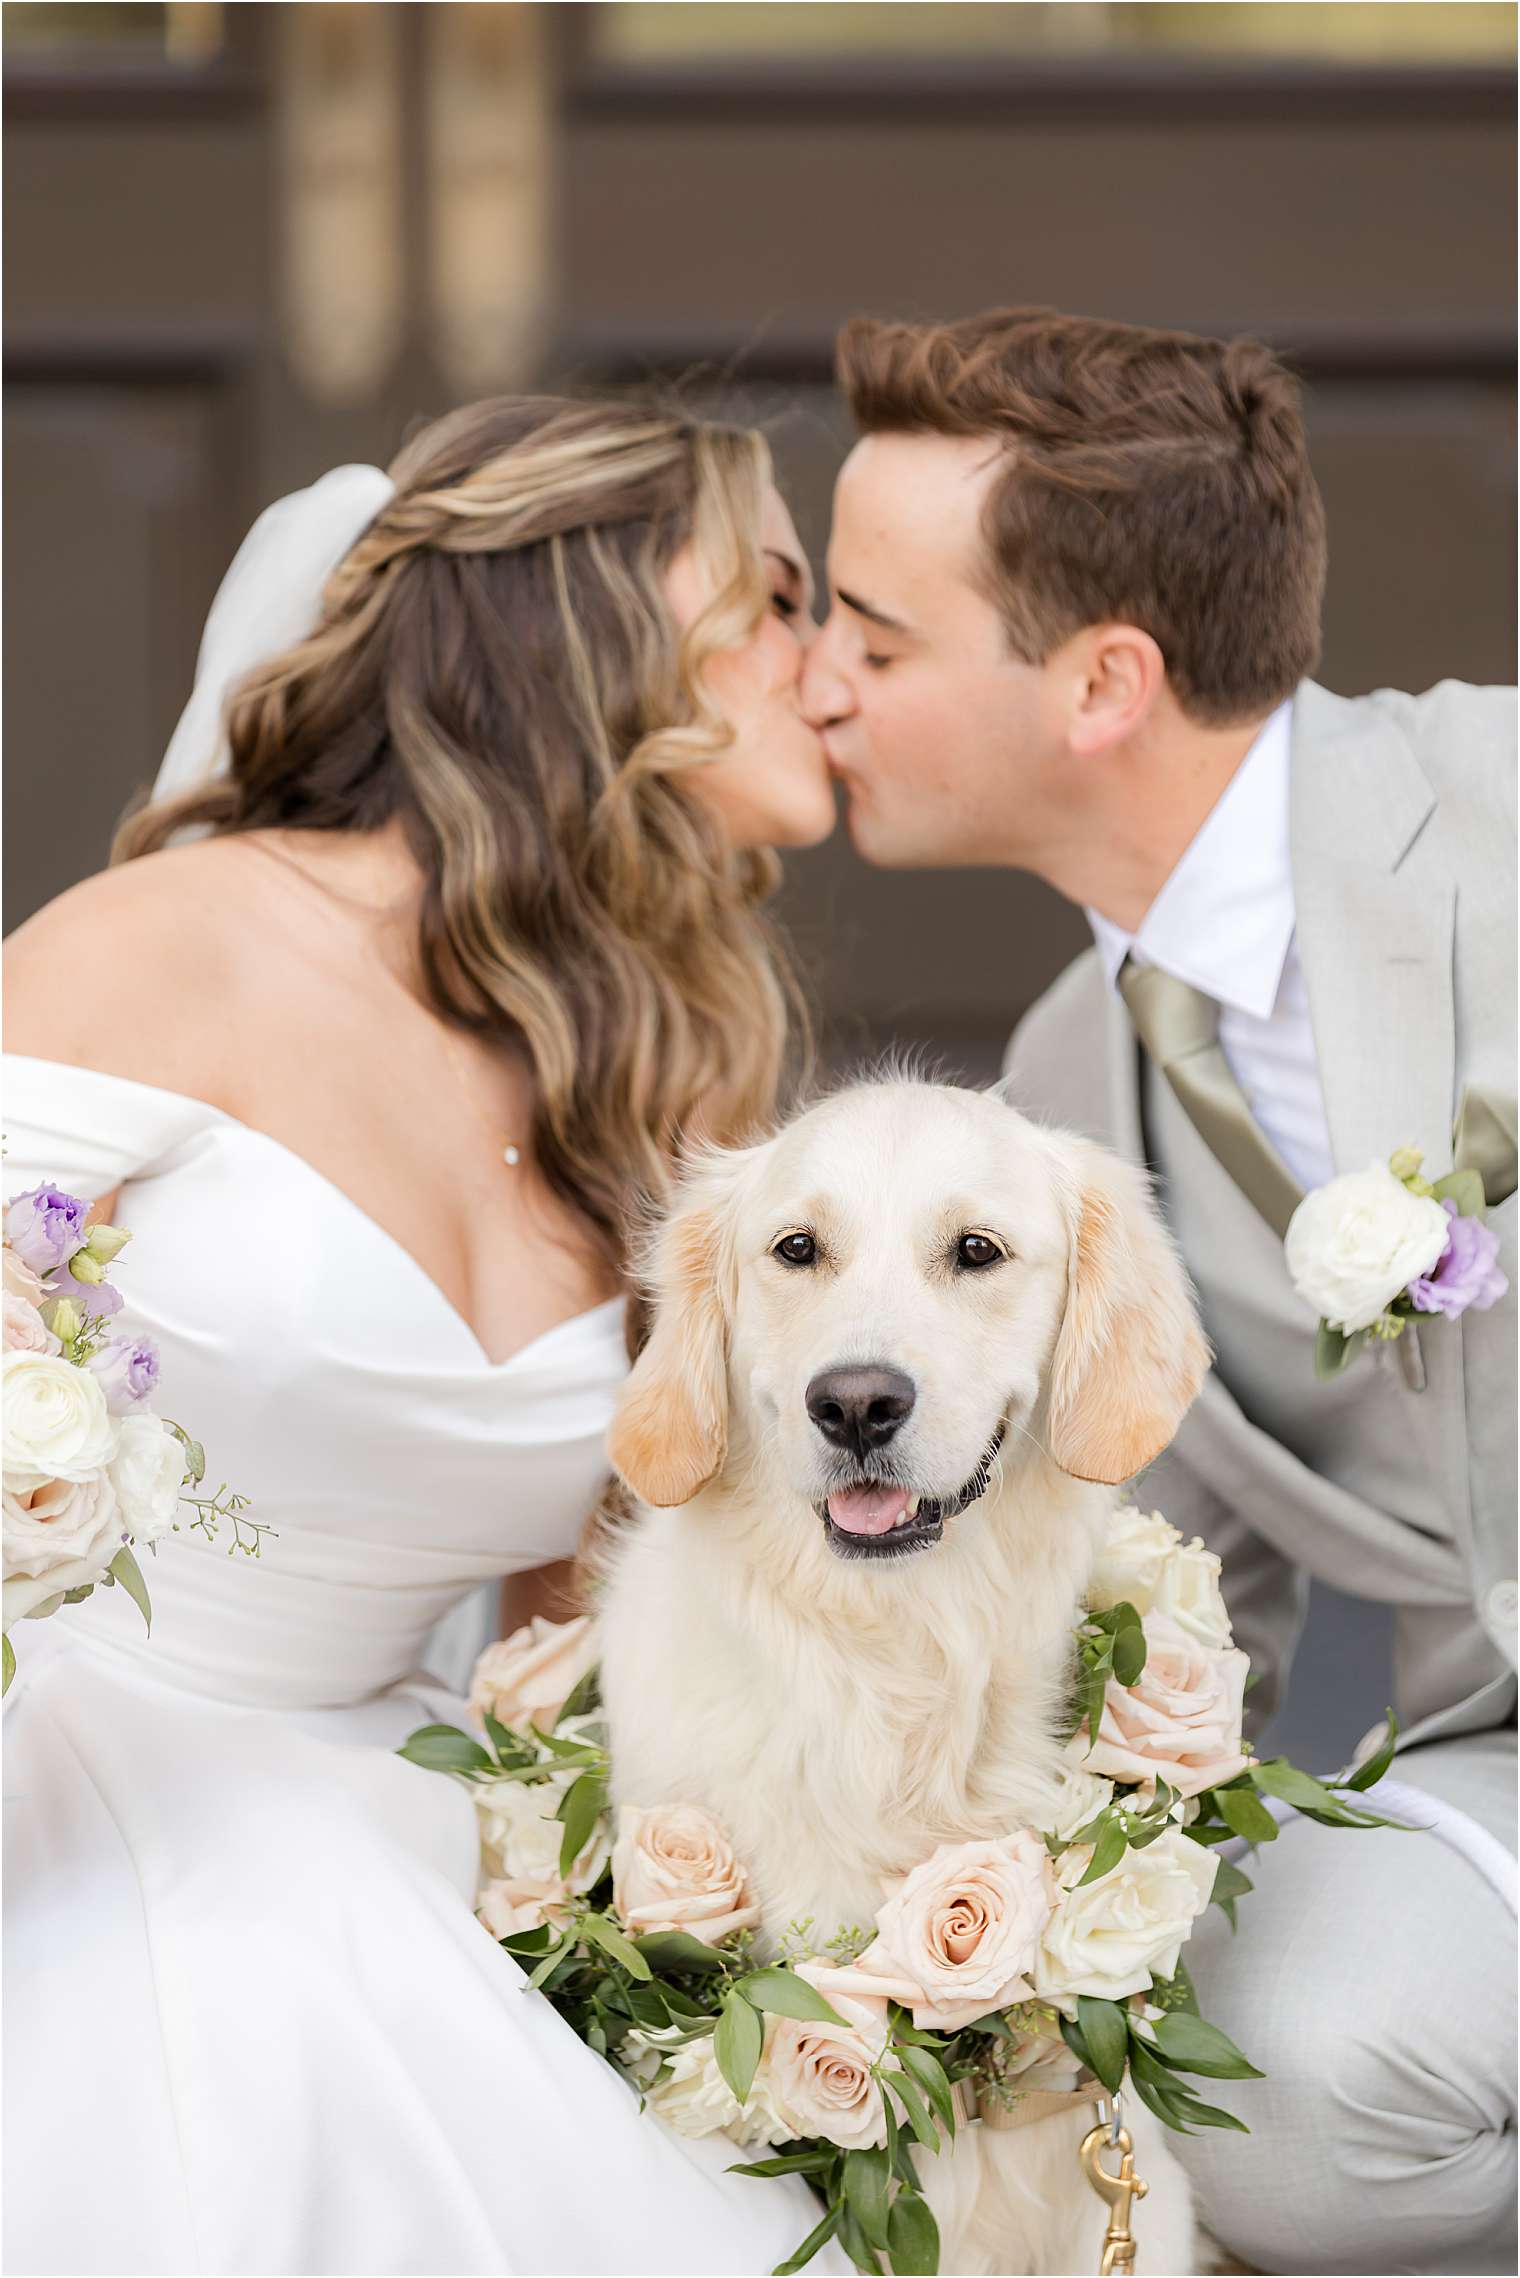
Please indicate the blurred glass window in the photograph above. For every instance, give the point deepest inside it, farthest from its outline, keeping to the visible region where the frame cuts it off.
(92, 32)
(1368, 31)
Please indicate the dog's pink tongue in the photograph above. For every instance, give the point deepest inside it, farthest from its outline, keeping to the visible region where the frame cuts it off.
(868, 1510)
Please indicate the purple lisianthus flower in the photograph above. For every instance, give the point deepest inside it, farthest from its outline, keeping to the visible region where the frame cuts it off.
(1465, 1274)
(96, 1300)
(46, 1226)
(128, 1371)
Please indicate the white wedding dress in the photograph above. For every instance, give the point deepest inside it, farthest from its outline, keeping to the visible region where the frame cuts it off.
(251, 2023)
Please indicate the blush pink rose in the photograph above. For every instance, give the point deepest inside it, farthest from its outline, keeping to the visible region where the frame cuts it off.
(528, 1677)
(957, 1938)
(674, 1869)
(61, 1535)
(511, 1905)
(822, 2076)
(25, 1329)
(22, 1282)
(1181, 1722)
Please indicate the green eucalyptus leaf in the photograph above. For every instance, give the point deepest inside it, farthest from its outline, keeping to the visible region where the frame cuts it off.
(1105, 2029)
(1112, 1843)
(738, 2039)
(509, 1746)
(857, 2246)
(1334, 1350)
(550, 1963)
(129, 1574)
(815, 2162)
(915, 2110)
(1246, 1815)
(7, 1664)
(581, 1806)
(1277, 1777)
(605, 1933)
(1189, 2044)
(1129, 1653)
(1367, 1775)
(933, 2079)
(679, 1950)
(444, 1748)
(867, 2176)
(784, 1994)
(586, 1697)
(528, 1942)
(912, 2236)
(809, 2247)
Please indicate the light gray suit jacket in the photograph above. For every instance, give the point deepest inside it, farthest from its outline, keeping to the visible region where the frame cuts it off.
(1403, 851)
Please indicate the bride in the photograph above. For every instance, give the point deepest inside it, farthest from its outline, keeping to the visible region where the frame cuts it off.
(443, 928)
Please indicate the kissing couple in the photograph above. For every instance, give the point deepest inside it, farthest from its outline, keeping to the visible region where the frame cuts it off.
(441, 937)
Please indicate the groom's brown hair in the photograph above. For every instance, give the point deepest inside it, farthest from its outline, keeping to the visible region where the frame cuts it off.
(1155, 478)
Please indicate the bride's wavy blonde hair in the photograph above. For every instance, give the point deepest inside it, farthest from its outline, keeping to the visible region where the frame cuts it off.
(498, 669)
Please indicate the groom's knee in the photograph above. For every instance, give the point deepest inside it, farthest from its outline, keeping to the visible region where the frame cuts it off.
(1377, 1993)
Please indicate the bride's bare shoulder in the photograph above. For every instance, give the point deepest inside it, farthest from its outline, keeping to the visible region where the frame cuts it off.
(133, 971)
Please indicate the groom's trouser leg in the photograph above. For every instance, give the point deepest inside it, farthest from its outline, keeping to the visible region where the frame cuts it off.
(1373, 1980)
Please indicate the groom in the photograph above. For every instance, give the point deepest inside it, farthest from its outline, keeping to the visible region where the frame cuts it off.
(1077, 572)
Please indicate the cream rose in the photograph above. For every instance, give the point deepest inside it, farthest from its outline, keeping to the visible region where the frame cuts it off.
(1181, 1721)
(683, 2085)
(25, 1329)
(821, 2075)
(1188, 1589)
(528, 1677)
(1353, 1244)
(1131, 1560)
(147, 1471)
(510, 1906)
(20, 1281)
(59, 1536)
(520, 1842)
(1083, 1793)
(957, 1936)
(674, 1868)
(57, 1425)
(1127, 1928)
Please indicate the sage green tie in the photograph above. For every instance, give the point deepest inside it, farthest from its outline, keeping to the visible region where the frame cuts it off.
(1179, 1028)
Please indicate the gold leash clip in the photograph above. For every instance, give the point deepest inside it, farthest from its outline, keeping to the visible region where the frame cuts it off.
(1119, 2190)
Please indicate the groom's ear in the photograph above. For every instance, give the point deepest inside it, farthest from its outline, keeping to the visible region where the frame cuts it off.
(670, 1434)
(1130, 1356)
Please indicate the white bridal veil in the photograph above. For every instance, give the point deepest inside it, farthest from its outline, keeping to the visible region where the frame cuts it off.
(270, 598)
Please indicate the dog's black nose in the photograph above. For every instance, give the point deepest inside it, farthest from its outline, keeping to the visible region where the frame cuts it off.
(860, 1408)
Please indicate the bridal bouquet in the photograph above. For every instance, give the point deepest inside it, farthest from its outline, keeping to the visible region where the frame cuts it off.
(995, 1975)
(90, 1471)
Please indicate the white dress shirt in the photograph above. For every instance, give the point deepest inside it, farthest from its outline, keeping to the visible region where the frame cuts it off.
(1224, 922)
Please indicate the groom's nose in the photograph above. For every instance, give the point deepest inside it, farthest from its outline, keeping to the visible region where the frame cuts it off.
(826, 693)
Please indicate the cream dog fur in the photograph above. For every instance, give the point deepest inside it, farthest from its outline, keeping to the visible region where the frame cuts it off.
(845, 1698)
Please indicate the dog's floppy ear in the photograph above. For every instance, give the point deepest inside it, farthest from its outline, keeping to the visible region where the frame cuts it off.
(670, 1433)
(1130, 1356)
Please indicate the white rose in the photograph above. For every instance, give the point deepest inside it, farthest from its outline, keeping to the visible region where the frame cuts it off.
(520, 1839)
(1128, 1927)
(1131, 1560)
(674, 1868)
(57, 1425)
(1180, 1721)
(526, 1679)
(1188, 1589)
(821, 2075)
(956, 1937)
(691, 2095)
(1083, 1793)
(147, 1471)
(1352, 1245)
(59, 1536)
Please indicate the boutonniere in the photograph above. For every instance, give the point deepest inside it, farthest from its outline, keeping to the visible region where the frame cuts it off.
(1373, 1250)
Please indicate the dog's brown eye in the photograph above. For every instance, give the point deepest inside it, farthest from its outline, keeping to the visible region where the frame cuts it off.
(796, 1250)
(975, 1251)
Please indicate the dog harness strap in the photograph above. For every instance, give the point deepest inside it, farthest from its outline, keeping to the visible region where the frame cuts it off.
(1032, 2104)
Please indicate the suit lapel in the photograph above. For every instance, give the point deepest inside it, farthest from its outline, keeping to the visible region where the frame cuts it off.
(1376, 917)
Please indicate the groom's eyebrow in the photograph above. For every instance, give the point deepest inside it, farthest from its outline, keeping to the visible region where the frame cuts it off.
(876, 616)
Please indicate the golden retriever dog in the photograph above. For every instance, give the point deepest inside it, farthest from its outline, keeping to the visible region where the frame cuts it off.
(902, 1354)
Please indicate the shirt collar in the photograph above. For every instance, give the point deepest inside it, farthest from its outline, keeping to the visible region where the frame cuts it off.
(1223, 921)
